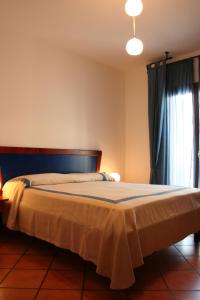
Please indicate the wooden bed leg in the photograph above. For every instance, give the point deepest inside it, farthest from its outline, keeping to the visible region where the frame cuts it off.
(197, 237)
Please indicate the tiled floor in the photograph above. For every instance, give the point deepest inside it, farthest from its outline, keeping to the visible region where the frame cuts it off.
(31, 269)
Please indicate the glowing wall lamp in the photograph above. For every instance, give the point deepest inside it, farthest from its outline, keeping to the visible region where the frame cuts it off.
(115, 176)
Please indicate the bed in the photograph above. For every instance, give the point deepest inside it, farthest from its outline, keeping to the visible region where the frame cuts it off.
(68, 202)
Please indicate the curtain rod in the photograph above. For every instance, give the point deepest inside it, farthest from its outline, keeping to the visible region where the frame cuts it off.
(168, 58)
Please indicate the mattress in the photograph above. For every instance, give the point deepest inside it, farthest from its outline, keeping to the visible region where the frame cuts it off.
(112, 224)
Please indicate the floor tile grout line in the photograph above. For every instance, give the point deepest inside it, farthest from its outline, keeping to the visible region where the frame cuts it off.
(45, 269)
(45, 276)
(21, 255)
(185, 258)
(178, 250)
(192, 267)
(12, 268)
(180, 270)
(168, 288)
(195, 244)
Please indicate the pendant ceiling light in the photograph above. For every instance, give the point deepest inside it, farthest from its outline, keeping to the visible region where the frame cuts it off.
(134, 46)
(134, 8)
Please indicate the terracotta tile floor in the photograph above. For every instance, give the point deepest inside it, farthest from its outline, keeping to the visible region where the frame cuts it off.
(31, 269)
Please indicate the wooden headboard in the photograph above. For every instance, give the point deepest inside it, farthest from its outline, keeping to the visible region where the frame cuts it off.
(16, 161)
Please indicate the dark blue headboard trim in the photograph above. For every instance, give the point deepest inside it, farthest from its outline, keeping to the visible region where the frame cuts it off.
(15, 161)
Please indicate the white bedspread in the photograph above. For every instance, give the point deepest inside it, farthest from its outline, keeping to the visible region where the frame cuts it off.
(111, 224)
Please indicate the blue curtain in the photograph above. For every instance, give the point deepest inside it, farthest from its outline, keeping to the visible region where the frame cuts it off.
(180, 77)
(198, 160)
(157, 123)
(164, 80)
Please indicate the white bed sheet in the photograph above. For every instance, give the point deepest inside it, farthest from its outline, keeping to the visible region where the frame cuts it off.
(111, 224)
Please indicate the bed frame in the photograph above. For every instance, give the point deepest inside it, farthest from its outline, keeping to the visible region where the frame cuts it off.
(16, 161)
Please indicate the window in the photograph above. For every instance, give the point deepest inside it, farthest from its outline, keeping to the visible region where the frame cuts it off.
(183, 138)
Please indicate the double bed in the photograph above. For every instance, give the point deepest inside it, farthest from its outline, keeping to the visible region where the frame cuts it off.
(67, 202)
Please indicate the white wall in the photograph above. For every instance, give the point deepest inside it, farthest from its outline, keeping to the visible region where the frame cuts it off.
(137, 163)
(50, 97)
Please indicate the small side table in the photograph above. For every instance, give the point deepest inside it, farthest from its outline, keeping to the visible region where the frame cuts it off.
(3, 200)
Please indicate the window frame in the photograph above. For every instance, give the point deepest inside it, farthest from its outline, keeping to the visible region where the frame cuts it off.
(196, 132)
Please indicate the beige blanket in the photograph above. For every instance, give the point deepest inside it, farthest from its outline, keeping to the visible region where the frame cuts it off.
(111, 224)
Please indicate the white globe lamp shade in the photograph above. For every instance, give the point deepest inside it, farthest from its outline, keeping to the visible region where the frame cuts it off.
(134, 46)
(133, 8)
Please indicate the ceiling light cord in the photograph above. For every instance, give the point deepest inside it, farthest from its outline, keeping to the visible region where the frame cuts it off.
(134, 8)
(134, 27)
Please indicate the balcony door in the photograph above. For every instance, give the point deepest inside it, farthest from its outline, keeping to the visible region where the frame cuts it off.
(183, 138)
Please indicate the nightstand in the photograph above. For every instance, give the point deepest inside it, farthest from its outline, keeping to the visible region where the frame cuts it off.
(2, 203)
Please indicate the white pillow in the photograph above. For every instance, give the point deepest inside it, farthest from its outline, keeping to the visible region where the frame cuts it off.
(56, 178)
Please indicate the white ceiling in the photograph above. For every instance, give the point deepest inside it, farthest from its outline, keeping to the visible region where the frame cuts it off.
(100, 28)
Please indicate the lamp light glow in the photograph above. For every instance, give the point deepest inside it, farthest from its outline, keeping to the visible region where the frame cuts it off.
(133, 8)
(1, 183)
(115, 176)
(134, 46)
